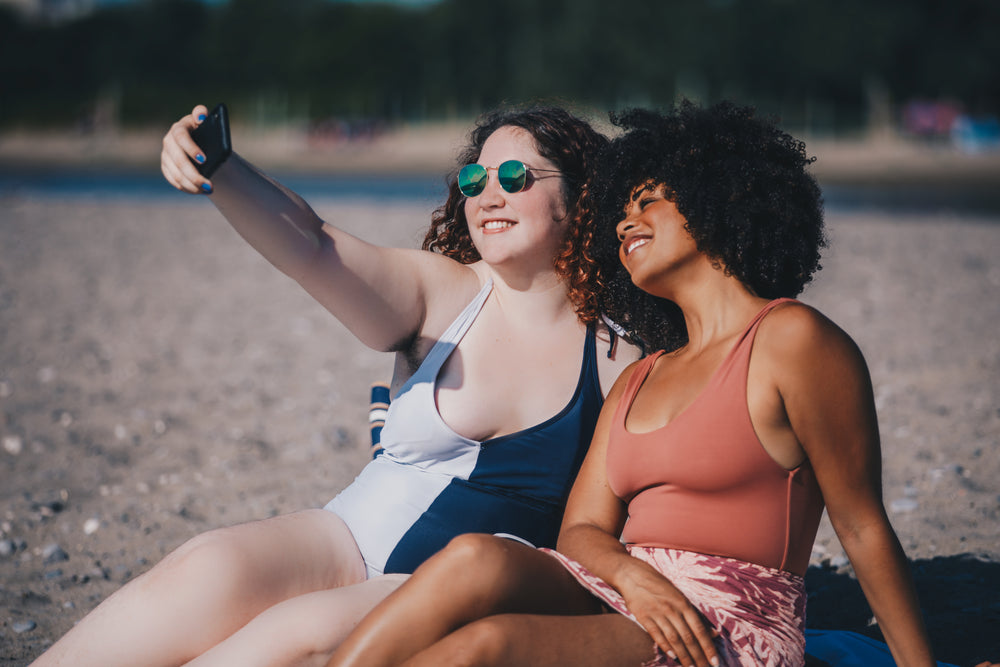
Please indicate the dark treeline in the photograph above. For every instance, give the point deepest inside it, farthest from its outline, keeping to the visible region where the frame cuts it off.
(822, 64)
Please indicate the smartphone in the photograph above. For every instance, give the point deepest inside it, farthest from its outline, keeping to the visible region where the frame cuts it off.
(212, 137)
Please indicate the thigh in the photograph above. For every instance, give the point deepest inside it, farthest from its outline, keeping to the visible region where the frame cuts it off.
(473, 577)
(543, 641)
(492, 575)
(303, 630)
(210, 587)
(280, 557)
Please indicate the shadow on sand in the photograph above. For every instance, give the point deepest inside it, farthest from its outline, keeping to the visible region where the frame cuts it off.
(959, 595)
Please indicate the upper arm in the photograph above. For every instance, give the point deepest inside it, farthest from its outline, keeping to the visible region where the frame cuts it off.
(386, 296)
(826, 390)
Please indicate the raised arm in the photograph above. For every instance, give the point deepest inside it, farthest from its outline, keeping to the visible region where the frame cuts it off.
(826, 389)
(594, 519)
(384, 296)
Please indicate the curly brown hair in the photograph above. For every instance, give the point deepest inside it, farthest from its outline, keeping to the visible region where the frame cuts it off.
(573, 146)
(743, 186)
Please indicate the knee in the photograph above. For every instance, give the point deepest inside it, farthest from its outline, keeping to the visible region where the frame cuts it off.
(485, 556)
(473, 566)
(211, 564)
(295, 636)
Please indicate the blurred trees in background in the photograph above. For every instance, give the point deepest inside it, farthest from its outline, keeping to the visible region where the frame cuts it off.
(823, 65)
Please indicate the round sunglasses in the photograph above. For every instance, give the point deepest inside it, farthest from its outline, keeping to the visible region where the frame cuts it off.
(512, 174)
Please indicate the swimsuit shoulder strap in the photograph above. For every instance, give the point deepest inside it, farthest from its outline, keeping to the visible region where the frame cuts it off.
(453, 334)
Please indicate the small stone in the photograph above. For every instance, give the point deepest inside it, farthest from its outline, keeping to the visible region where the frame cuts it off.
(54, 553)
(53, 574)
(91, 526)
(6, 390)
(23, 626)
(120, 432)
(903, 505)
(46, 374)
(12, 445)
(7, 548)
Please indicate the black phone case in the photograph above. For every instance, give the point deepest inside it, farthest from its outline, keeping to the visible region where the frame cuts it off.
(212, 137)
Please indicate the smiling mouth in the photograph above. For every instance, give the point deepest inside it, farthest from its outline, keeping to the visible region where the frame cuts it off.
(636, 243)
(492, 226)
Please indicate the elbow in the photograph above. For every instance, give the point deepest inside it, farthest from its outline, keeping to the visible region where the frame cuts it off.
(856, 531)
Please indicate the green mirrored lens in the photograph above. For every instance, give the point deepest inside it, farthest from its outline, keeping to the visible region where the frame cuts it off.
(512, 175)
(472, 179)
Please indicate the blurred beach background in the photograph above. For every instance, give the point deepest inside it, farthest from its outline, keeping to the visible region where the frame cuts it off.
(159, 379)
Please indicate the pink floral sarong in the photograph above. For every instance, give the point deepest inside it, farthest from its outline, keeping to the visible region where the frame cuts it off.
(759, 612)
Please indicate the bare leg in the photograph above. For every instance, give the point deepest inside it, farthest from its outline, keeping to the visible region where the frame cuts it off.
(473, 577)
(209, 588)
(303, 631)
(541, 641)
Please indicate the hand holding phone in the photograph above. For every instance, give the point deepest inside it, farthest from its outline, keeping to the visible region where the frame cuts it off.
(212, 137)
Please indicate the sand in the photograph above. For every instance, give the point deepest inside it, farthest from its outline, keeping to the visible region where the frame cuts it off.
(159, 379)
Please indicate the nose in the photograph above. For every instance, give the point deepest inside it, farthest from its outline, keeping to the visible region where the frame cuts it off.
(492, 194)
(622, 228)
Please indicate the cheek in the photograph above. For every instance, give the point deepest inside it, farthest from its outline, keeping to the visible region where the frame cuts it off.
(465, 212)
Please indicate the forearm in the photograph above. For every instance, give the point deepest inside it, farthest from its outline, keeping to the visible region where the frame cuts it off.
(278, 223)
(599, 551)
(884, 575)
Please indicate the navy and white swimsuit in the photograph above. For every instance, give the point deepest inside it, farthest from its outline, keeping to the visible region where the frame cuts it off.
(429, 484)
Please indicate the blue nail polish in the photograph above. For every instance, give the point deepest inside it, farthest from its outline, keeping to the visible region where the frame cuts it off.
(200, 158)
(207, 187)
(202, 117)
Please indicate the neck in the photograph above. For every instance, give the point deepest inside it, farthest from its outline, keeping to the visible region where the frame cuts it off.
(539, 299)
(715, 306)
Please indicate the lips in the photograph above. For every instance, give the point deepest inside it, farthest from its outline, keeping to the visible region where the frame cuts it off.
(634, 243)
(495, 226)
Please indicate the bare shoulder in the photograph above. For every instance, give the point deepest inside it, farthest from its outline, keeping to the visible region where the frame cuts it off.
(795, 326)
(797, 337)
(450, 287)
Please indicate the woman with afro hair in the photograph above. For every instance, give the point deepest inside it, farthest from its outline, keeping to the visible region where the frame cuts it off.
(695, 511)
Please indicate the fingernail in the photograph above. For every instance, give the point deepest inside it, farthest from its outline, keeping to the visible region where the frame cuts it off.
(715, 662)
(207, 187)
(202, 117)
(199, 157)
(671, 655)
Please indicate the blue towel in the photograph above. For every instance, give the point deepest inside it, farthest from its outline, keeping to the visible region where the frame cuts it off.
(841, 648)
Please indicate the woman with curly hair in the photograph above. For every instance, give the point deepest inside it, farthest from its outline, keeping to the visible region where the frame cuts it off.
(496, 391)
(695, 511)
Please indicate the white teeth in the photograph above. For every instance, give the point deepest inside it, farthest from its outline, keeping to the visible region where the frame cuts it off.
(635, 244)
(497, 224)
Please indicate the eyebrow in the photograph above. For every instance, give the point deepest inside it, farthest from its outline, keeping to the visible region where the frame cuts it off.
(640, 190)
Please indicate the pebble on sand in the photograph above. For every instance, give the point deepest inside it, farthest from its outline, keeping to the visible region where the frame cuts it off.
(12, 445)
(23, 626)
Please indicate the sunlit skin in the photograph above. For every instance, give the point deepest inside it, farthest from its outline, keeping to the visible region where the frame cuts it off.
(517, 230)
(287, 590)
(651, 216)
(808, 395)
